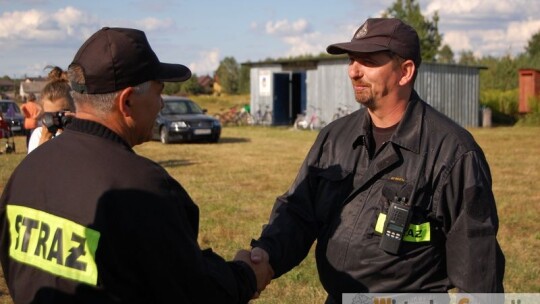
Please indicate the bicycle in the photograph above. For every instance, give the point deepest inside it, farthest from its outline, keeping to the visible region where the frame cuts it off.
(312, 121)
(261, 118)
(342, 110)
(243, 117)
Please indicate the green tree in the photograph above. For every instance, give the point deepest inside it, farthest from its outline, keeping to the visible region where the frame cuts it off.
(531, 58)
(428, 30)
(228, 75)
(467, 58)
(191, 86)
(244, 81)
(533, 46)
(501, 73)
(188, 87)
(171, 88)
(445, 55)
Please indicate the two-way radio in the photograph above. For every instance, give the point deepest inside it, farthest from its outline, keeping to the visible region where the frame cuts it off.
(399, 215)
(395, 226)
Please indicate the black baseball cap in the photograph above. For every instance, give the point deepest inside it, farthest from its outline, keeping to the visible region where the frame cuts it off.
(382, 34)
(113, 59)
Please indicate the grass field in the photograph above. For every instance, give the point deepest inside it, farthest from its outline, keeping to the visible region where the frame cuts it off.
(236, 181)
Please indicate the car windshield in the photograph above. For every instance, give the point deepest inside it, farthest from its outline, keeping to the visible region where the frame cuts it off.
(9, 108)
(172, 107)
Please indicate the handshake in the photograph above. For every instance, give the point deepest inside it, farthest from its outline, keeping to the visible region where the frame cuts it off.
(259, 261)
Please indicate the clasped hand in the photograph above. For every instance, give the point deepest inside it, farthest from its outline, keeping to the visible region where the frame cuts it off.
(259, 261)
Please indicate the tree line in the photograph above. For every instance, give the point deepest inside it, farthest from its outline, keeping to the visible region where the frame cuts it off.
(232, 77)
(498, 82)
(499, 85)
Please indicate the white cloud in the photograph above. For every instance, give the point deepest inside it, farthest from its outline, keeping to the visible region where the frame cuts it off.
(68, 26)
(316, 42)
(36, 26)
(34, 38)
(496, 42)
(304, 44)
(488, 28)
(483, 8)
(76, 23)
(207, 62)
(457, 41)
(300, 37)
(153, 24)
(287, 28)
(19, 24)
(522, 31)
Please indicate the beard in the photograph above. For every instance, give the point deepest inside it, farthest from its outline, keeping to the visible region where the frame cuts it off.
(365, 97)
(368, 97)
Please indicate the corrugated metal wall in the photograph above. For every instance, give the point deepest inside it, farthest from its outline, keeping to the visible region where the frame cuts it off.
(329, 87)
(451, 89)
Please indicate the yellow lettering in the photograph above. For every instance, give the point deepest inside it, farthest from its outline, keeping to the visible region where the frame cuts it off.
(41, 245)
(53, 244)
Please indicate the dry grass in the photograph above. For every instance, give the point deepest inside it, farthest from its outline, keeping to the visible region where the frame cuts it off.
(514, 157)
(214, 104)
(236, 181)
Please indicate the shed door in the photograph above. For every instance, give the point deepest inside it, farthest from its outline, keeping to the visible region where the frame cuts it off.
(299, 101)
(282, 98)
(289, 97)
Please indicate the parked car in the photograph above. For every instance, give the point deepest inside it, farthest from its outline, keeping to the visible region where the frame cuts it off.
(181, 119)
(12, 114)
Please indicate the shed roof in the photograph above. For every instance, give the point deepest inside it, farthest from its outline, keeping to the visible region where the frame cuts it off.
(6, 82)
(33, 87)
(309, 62)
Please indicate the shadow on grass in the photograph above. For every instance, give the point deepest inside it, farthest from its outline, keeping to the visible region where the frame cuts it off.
(222, 140)
(233, 140)
(172, 163)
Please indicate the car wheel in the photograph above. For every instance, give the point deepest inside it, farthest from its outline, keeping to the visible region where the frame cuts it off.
(214, 139)
(164, 135)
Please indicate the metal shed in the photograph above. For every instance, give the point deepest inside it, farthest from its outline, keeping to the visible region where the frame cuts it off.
(289, 87)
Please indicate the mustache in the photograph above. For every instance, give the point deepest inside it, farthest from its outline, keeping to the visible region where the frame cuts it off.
(361, 83)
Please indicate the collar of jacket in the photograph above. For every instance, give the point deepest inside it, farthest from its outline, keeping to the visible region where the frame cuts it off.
(96, 129)
(407, 134)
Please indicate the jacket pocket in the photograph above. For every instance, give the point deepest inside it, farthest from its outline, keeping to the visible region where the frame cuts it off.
(390, 191)
(332, 185)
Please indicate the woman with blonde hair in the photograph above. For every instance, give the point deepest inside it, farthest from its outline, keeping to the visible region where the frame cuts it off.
(57, 105)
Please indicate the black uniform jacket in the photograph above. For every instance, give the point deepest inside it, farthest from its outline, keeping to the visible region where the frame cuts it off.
(342, 193)
(84, 219)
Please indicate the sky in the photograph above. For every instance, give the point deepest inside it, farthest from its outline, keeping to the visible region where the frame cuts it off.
(199, 34)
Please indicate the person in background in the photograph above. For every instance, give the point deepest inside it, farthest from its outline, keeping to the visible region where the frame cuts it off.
(397, 195)
(32, 112)
(58, 107)
(84, 219)
(5, 129)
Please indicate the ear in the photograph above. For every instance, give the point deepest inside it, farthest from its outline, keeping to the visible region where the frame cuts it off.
(124, 103)
(407, 72)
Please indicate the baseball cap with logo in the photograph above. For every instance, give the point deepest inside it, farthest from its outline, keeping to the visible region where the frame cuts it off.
(382, 34)
(113, 59)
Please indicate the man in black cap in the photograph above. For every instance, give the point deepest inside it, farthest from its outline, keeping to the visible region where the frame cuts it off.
(397, 195)
(83, 219)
